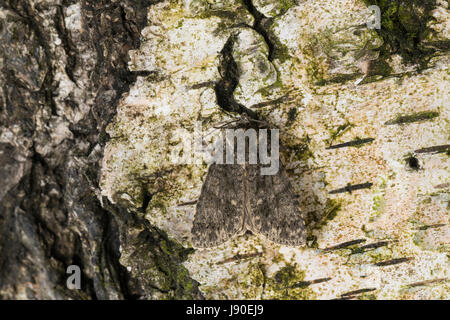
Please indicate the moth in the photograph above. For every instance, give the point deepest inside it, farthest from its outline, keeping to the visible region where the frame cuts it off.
(236, 198)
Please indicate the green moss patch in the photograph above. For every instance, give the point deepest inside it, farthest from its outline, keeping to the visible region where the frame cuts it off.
(404, 28)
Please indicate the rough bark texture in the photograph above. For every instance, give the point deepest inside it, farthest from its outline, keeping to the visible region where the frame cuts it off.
(58, 90)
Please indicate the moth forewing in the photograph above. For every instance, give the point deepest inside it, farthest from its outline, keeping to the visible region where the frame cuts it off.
(239, 194)
(274, 211)
(220, 209)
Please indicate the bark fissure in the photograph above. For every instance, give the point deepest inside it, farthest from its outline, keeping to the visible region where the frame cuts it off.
(51, 214)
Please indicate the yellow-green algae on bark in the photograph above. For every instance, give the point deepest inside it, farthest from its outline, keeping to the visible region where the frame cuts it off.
(328, 66)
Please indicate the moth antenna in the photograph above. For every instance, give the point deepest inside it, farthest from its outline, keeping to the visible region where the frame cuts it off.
(187, 203)
(284, 98)
(226, 124)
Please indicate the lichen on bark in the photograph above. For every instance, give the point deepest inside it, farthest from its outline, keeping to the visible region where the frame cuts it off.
(64, 68)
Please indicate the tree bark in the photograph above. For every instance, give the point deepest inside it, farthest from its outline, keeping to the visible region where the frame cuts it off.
(58, 91)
